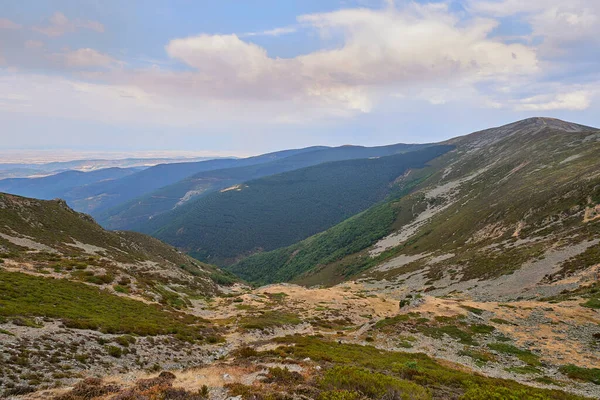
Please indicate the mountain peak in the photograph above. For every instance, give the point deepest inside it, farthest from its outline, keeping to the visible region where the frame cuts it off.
(522, 127)
(541, 122)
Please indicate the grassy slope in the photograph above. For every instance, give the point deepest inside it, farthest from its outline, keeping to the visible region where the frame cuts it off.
(527, 188)
(135, 213)
(135, 262)
(282, 209)
(527, 180)
(85, 307)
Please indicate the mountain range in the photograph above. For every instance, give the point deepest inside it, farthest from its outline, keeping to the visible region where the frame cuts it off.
(466, 269)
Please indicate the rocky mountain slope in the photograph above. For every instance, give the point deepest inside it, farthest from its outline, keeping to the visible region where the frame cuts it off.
(504, 198)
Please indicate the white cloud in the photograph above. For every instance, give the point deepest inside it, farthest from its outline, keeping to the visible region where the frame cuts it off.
(559, 23)
(87, 58)
(272, 32)
(369, 59)
(59, 24)
(8, 24)
(381, 50)
(577, 100)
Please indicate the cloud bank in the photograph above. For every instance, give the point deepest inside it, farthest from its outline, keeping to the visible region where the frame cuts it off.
(369, 59)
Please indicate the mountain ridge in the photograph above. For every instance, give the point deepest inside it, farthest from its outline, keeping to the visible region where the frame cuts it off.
(139, 210)
(525, 148)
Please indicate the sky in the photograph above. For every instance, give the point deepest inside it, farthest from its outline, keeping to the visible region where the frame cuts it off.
(243, 77)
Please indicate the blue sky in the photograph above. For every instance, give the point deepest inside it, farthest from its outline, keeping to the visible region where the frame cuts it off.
(244, 77)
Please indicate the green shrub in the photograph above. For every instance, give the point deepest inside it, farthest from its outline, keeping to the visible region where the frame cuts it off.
(450, 330)
(121, 289)
(339, 395)
(114, 351)
(502, 393)
(125, 340)
(528, 369)
(391, 321)
(594, 302)
(25, 321)
(100, 279)
(246, 352)
(283, 376)
(204, 391)
(482, 329)
(581, 374)
(81, 306)
(524, 355)
(474, 310)
(371, 384)
(501, 321)
(269, 319)
(480, 356)
(445, 382)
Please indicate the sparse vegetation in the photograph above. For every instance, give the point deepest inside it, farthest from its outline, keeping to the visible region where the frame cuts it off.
(371, 384)
(524, 355)
(370, 371)
(269, 320)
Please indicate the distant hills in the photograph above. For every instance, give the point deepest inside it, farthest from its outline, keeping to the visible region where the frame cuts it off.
(96, 198)
(61, 184)
(32, 170)
(135, 213)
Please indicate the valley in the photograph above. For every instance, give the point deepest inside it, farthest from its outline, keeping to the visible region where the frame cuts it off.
(467, 269)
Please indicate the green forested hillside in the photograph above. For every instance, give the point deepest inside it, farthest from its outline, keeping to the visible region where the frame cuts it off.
(344, 239)
(136, 212)
(280, 210)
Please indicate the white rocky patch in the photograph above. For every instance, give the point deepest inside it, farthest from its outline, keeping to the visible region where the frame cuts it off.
(449, 191)
(25, 242)
(88, 248)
